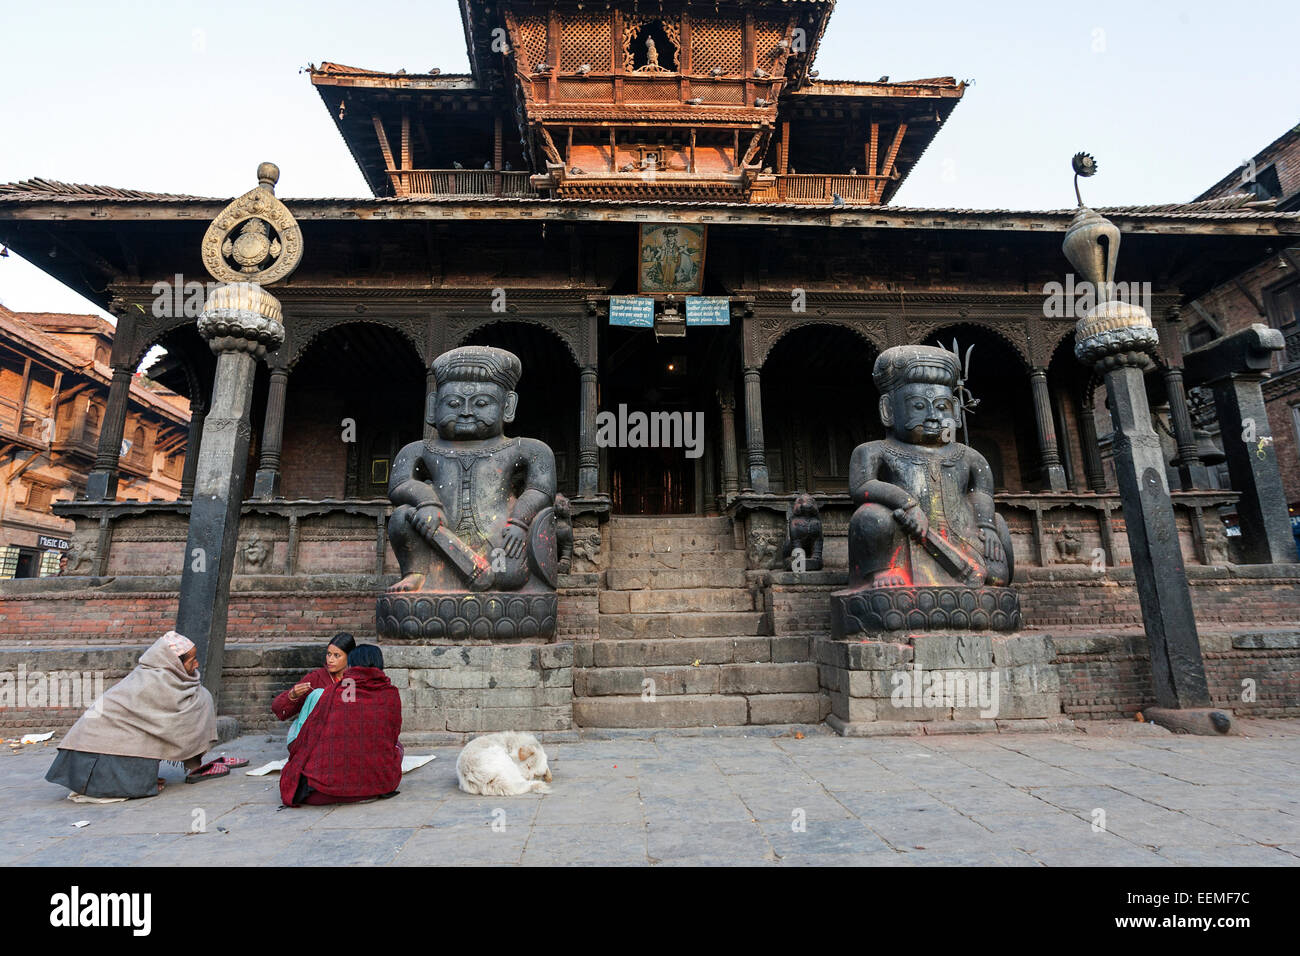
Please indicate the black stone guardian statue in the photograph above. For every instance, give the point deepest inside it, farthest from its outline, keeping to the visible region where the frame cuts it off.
(473, 527)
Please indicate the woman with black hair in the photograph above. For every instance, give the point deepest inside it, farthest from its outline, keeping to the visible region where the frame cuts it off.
(287, 704)
(347, 751)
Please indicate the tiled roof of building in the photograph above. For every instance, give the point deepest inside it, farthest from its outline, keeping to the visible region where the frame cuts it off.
(1227, 208)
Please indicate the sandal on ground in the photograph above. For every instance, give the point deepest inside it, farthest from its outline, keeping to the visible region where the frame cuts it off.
(231, 762)
(207, 772)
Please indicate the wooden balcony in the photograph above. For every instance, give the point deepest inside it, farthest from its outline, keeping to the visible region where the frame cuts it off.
(460, 182)
(820, 189)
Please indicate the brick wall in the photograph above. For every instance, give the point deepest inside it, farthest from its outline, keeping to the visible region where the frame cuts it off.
(314, 461)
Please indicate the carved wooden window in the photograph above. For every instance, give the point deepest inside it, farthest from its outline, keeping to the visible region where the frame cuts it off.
(530, 42)
(766, 50)
(650, 46)
(717, 44)
(585, 41)
(39, 497)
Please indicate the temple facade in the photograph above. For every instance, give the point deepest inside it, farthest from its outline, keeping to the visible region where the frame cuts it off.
(665, 212)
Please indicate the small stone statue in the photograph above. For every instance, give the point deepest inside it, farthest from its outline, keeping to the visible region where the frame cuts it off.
(925, 501)
(651, 53)
(803, 531)
(473, 521)
(563, 534)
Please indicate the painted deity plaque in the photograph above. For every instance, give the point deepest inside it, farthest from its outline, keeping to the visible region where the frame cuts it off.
(672, 258)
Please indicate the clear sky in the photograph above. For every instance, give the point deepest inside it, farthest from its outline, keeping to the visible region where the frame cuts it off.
(180, 96)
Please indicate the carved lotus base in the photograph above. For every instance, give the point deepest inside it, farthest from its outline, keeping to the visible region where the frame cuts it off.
(461, 616)
(867, 609)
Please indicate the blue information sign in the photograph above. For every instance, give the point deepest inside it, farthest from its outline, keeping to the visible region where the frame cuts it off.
(708, 310)
(632, 311)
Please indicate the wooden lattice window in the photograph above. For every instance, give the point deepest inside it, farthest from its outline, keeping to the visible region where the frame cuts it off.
(39, 497)
(530, 42)
(766, 37)
(585, 41)
(638, 35)
(717, 44)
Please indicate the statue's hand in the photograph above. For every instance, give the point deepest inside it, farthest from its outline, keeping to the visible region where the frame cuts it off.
(427, 519)
(993, 550)
(513, 541)
(914, 521)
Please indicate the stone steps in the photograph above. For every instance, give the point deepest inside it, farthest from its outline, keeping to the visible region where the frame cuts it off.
(699, 710)
(668, 579)
(642, 626)
(698, 523)
(761, 678)
(678, 560)
(679, 637)
(676, 601)
(669, 541)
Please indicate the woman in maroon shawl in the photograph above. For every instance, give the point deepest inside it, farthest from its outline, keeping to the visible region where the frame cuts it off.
(287, 705)
(347, 750)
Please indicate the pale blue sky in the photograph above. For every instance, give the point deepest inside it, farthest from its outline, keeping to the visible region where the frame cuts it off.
(189, 97)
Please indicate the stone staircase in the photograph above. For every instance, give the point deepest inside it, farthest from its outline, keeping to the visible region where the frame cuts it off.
(682, 636)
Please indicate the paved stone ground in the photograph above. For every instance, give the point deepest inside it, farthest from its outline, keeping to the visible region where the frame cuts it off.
(666, 798)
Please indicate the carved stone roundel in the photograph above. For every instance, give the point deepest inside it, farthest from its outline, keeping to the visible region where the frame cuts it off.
(254, 239)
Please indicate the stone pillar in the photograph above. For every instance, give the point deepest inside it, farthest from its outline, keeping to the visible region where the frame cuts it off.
(1191, 470)
(730, 460)
(241, 323)
(198, 412)
(1093, 469)
(588, 453)
(1047, 450)
(754, 431)
(1116, 338)
(1234, 367)
(101, 484)
(266, 483)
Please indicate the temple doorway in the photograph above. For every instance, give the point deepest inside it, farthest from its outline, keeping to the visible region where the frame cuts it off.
(668, 388)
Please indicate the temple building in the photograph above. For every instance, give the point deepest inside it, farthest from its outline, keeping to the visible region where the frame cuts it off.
(54, 385)
(662, 209)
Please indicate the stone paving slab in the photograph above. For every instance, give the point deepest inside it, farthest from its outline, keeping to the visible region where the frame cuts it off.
(766, 798)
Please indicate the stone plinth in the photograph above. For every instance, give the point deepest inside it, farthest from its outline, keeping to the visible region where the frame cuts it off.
(938, 682)
(869, 610)
(480, 616)
(472, 688)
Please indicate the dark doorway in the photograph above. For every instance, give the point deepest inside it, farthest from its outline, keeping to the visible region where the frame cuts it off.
(29, 564)
(671, 377)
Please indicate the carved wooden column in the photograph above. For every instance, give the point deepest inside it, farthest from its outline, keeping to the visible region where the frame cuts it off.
(430, 394)
(1093, 469)
(588, 453)
(1048, 452)
(754, 431)
(198, 413)
(1191, 470)
(266, 483)
(730, 463)
(101, 485)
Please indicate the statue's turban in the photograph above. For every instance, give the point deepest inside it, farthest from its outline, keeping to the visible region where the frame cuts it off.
(478, 363)
(923, 364)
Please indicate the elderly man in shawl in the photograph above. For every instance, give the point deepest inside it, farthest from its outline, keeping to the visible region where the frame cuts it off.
(347, 751)
(158, 712)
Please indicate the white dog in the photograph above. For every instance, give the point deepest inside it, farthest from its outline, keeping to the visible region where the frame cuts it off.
(503, 765)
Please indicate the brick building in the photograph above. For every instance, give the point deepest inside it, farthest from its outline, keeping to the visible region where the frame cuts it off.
(54, 382)
(1268, 292)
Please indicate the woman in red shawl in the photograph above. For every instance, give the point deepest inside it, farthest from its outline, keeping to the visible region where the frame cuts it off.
(347, 750)
(287, 704)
